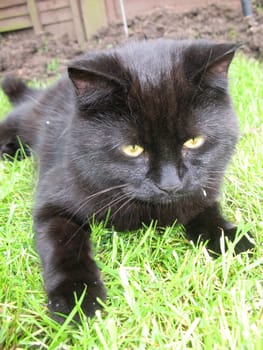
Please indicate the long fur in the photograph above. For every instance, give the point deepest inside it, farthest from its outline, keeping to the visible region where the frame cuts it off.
(156, 94)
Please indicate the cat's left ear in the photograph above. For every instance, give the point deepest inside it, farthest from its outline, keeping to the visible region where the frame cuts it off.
(99, 73)
(208, 64)
(85, 81)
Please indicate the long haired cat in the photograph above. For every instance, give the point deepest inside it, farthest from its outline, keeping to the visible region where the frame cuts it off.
(134, 134)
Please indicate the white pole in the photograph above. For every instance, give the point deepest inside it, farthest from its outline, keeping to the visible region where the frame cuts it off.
(124, 20)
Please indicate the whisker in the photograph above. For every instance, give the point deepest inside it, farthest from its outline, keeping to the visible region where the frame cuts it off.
(117, 200)
(113, 202)
(210, 187)
(94, 195)
(130, 199)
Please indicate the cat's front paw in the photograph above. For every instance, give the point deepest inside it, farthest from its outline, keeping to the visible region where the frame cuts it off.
(62, 300)
(209, 226)
(218, 241)
(243, 243)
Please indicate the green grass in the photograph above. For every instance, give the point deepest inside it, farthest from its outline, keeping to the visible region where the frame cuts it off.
(163, 293)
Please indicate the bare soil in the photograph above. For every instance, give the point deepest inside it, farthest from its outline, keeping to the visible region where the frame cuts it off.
(42, 57)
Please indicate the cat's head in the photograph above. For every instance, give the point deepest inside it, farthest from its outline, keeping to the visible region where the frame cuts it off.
(155, 116)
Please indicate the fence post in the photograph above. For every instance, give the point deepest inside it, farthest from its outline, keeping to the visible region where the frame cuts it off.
(77, 21)
(94, 16)
(33, 12)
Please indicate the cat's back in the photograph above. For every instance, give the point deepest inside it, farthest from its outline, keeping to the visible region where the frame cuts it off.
(53, 112)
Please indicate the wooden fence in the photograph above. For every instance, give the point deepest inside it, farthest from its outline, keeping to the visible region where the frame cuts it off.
(56, 16)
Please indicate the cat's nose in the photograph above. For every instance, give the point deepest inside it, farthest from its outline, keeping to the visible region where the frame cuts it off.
(169, 179)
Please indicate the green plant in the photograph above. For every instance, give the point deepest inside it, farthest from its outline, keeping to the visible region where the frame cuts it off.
(52, 66)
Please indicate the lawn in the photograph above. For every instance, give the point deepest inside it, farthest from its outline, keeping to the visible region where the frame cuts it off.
(163, 293)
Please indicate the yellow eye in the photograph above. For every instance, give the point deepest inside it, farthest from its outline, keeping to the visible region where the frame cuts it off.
(195, 142)
(132, 150)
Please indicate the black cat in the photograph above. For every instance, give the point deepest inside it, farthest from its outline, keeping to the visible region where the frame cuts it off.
(134, 134)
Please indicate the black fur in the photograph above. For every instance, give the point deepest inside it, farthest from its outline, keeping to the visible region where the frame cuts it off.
(157, 94)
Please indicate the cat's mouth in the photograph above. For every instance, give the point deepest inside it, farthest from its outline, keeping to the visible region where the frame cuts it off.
(152, 194)
(169, 198)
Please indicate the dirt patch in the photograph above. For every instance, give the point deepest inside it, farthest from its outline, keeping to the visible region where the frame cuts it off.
(43, 57)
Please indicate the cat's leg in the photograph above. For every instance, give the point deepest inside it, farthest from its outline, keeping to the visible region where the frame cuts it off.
(209, 226)
(68, 267)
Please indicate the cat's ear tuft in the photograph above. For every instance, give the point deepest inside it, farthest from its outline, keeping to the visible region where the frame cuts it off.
(209, 64)
(220, 60)
(99, 72)
(85, 80)
(76, 76)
